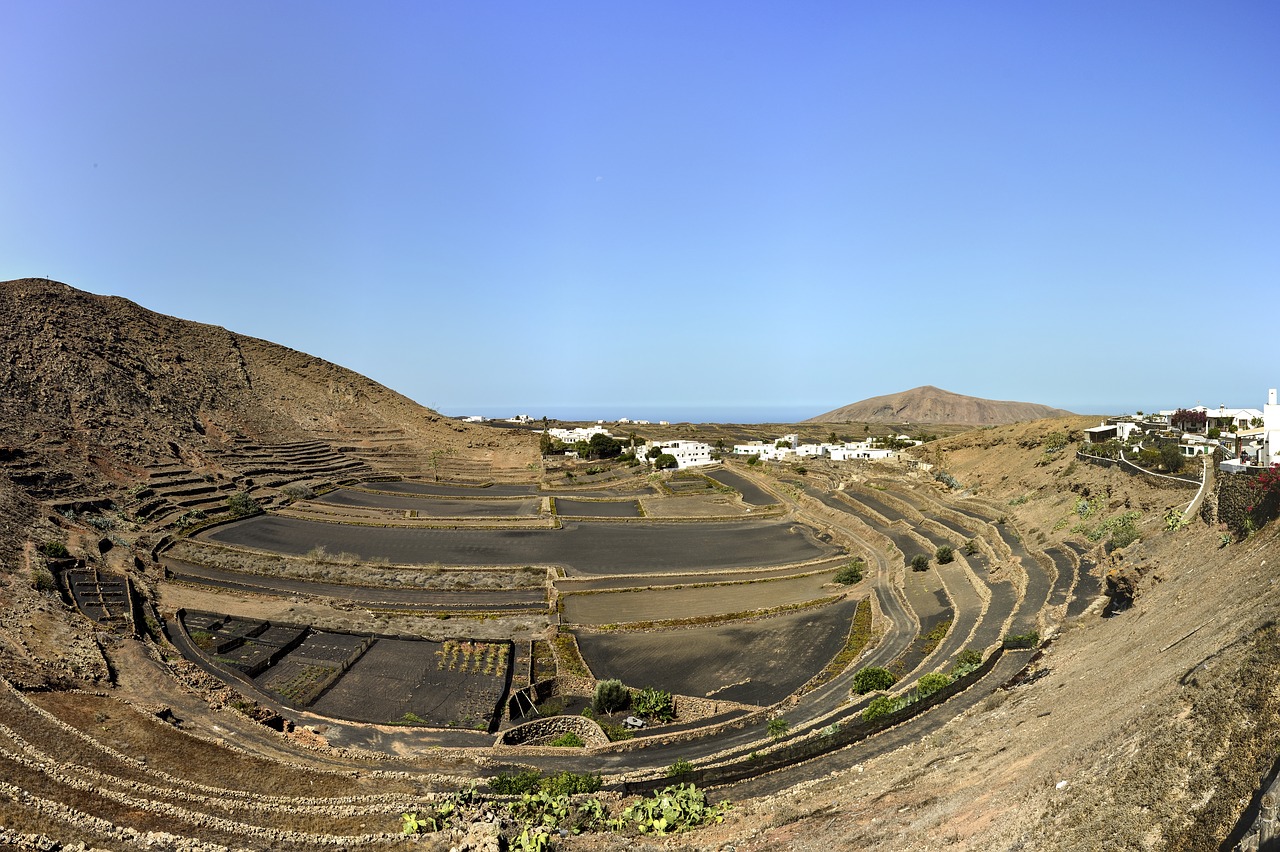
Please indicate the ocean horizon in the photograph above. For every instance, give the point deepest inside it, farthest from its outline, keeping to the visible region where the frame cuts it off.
(654, 413)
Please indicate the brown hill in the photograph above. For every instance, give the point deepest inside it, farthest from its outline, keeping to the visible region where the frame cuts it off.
(928, 404)
(101, 379)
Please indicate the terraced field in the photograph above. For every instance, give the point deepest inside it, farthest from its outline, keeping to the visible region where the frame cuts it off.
(650, 573)
(582, 548)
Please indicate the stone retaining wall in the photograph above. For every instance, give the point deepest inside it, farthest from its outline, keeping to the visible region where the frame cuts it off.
(542, 731)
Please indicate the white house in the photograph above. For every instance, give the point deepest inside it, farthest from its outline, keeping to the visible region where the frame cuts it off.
(860, 450)
(688, 453)
(582, 433)
(1113, 428)
(1270, 450)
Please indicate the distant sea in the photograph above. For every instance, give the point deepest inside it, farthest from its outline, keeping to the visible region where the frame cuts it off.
(656, 413)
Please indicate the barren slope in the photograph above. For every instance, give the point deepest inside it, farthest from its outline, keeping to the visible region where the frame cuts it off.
(1146, 730)
(928, 404)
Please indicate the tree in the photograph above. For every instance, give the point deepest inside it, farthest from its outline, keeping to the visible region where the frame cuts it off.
(664, 461)
(544, 443)
(783, 445)
(1171, 459)
(1189, 420)
(602, 446)
(610, 696)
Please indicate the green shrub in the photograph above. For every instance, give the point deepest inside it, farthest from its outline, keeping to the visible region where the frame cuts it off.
(879, 708)
(778, 727)
(241, 504)
(1020, 641)
(966, 661)
(570, 783)
(654, 704)
(920, 562)
(54, 550)
(616, 732)
(611, 696)
(943, 555)
(971, 547)
(851, 573)
(526, 782)
(42, 580)
(670, 810)
(679, 769)
(871, 679)
(932, 682)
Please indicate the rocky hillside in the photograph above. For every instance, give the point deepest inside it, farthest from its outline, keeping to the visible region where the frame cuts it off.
(929, 405)
(102, 382)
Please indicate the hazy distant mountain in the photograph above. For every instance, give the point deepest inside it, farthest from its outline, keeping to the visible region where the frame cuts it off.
(933, 405)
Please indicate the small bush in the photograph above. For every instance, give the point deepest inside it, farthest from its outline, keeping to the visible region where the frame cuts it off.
(851, 573)
(568, 740)
(54, 550)
(920, 562)
(241, 504)
(778, 727)
(872, 678)
(679, 769)
(515, 785)
(611, 696)
(570, 783)
(1020, 641)
(879, 708)
(42, 580)
(297, 492)
(966, 661)
(943, 555)
(932, 682)
(655, 704)
(971, 547)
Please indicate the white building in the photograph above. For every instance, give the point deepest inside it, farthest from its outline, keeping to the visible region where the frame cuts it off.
(688, 453)
(1270, 450)
(582, 433)
(864, 450)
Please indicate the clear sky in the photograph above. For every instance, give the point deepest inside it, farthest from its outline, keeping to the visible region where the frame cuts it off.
(543, 207)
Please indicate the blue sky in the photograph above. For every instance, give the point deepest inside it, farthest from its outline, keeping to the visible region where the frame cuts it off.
(635, 208)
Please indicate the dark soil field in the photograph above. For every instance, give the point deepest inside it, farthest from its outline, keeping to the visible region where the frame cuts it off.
(434, 489)
(694, 601)
(382, 597)
(1088, 586)
(411, 682)
(437, 508)
(598, 508)
(752, 494)
(760, 662)
(588, 548)
(1038, 584)
(577, 584)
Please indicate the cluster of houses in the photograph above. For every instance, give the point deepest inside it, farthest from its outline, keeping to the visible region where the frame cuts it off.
(696, 453)
(1250, 437)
